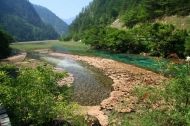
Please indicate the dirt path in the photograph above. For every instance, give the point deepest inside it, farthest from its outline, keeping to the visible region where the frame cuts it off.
(125, 78)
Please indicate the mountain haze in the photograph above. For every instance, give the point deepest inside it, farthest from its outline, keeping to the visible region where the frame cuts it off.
(19, 18)
(69, 20)
(50, 18)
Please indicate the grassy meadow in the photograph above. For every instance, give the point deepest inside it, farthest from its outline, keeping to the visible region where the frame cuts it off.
(50, 44)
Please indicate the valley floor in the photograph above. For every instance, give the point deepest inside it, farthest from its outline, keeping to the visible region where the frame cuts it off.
(125, 77)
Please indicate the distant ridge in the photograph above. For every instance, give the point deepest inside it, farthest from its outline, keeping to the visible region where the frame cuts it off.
(19, 18)
(69, 20)
(50, 18)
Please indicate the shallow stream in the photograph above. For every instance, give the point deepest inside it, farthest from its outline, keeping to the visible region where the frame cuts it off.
(90, 86)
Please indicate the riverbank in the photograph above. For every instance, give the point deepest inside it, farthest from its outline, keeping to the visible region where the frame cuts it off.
(125, 77)
(79, 48)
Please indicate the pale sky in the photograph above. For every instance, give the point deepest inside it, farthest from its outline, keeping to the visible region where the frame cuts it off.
(65, 9)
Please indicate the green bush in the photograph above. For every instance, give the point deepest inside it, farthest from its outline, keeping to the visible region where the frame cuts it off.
(95, 37)
(177, 95)
(33, 96)
(168, 40)
(5, 40)
(156, 39)
(76, 37)
(174, 109)
(65, 38)
(117, 40)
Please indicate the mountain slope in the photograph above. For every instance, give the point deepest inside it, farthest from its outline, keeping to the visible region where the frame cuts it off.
(50, 18)
(101, 24)
(131, 12)
(19, 18)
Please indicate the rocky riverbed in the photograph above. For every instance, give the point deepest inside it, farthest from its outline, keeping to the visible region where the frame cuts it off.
(125, 78)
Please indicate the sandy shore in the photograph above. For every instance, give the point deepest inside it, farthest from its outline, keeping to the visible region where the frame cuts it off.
(125, 78)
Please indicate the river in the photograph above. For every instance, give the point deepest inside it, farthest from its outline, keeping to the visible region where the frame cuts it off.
(90, 85)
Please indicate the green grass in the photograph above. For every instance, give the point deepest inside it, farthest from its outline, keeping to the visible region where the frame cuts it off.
(82, 49)
(31, 46)
(55, 45)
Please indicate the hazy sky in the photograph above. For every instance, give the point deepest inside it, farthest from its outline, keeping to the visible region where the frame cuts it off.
(65, 9)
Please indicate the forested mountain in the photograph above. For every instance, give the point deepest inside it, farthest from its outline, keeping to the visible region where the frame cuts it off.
(19, 18)
(103, 12)
(50, 18)
(142, 32)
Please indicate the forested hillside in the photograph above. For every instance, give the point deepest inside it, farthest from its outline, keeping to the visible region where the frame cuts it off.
(142, 34)
(19, 18)
(103, 12)
(50, 18)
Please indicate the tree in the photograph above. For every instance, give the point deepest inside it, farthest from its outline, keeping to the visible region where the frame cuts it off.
(166, 40)
(95, 37)
(5, 40)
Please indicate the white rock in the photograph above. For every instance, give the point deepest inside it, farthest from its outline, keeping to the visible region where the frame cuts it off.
(188, 59)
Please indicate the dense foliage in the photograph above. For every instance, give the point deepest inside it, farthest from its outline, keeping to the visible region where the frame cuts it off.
(156, 39)
(98, 13)
(141, 35)
(187, 46)
(51, 19)
(104, 12)
(32, 96)
(146, 10)
(19, 18)
(168, 106)
(5, 40)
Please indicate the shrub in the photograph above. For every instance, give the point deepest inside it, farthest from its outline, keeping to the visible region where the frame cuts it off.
(33, 96)
(156, 39)
(118, 40)
(65, 38)
(167, 39)
(175, 107)
(76, 37)
(5, 40)
(94, 37)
